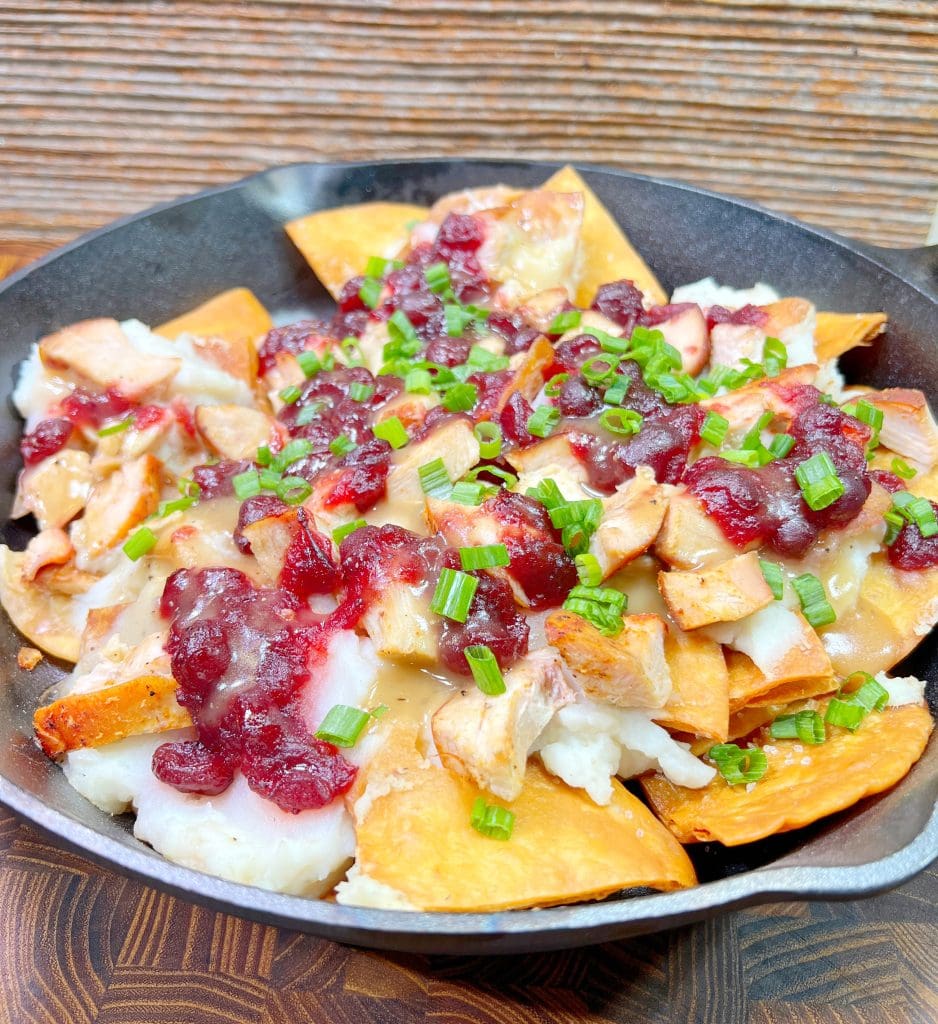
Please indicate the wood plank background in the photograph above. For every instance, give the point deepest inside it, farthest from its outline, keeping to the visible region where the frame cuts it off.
(827, 110)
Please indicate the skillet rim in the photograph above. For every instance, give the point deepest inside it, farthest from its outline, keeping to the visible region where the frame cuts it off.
(503, 931)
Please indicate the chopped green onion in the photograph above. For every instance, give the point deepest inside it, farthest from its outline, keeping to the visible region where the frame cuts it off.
(588, 510)
(600, 369)
(902, 469)
(308, 413)
(342, 445)
(542, 421)
(392, 431)
(603, 595)
(453, 594)
(616, 392)
(370, 291)
(456, 319)
(434, 479)
(548, 494)
(167, 508)
(378, 267)
(360, 392)
(269, 478)
(460, 397)
(489, 436)
(603, 607)
(753, 438)
(290, 394)
(917, 510)
(621, 421)
(341, 532)
(246, 484)
(264, 455)
(741, 456)
(845, 713)
(418, 382)
(814, 604)
(352, 351)
(405, 341)
(575, 539)
(471, 492)
(437, 278)
(774, 357)
(309, 362)
(818, 480)
(482, 361)
(485, 557)
(807, 726)
(588, 570)
(714, 429)
(781, 445)
(342, 725)
(485, 670)
(139, 543)
(553, 386)
(293, 490)
(772, 574)
(379, 712)
(508, 478)
(116, 428)
(894, 523)
(739, 766)
(491, 820)
(565, 321)
(188, 488)
(866, 413)
(291, 452)
(871, 695)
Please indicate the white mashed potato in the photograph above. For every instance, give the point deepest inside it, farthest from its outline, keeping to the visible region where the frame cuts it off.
(586, 743)
(707, 292)
(237, 835)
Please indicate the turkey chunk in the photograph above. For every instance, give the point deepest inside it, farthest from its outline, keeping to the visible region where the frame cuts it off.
(401, 626)
(908, 425)
(453, 442)
(56, 490)
(98, 352)
(631, 520)
(117, 504)
(628, 670)
(488, 738)
(687, 332)
(723, 593)
(689, 538)
(234, 431)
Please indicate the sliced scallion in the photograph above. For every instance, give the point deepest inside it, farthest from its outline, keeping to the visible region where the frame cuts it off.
(485, 670)
(139, 543)
(453, 594)
(342, 725)
(392, 431)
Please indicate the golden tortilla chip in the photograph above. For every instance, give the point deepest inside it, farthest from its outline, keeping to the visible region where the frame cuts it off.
(338, 243)
(146, 704)
(43, 616)
(748, 687)
(699, 701)
(802, 784)
(415, 836)
(608, 254)
(894, 612)
(837, 333)
(235, 315)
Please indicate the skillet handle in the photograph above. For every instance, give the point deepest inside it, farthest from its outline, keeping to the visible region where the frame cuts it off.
(917, 266)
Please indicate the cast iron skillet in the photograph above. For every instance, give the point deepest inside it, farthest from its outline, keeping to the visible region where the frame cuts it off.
(161, 262)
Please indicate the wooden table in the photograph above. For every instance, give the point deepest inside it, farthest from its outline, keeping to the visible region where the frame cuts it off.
(827, 111)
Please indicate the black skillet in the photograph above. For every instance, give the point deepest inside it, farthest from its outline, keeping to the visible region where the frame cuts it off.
(159, 263)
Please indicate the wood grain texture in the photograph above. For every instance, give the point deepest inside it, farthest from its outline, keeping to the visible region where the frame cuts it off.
(826, 109)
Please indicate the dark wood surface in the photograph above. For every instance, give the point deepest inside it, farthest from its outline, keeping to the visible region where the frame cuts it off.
(827, 111)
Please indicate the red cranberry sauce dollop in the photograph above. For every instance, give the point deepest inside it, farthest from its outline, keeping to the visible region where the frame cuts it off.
(374, 557)
(242, 656)
(910, 550)
(47, 438)
(765, 505)
(664, 442)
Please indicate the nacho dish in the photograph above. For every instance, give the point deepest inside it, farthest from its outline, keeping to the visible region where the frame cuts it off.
(499, 588)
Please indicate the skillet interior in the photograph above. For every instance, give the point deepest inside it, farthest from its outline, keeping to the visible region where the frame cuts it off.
(160, 263)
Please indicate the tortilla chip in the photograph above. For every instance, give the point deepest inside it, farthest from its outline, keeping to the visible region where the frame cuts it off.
(146, 704)
(42, 616)
(337, 243)
(414, 835)
(802, 784)
(234, 315)
(894, 612)
(837, 333)
(699, 701)
(748, 687)
(608, 254)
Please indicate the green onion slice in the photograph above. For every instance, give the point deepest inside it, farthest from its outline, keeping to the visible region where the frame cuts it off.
(485, 670)
(774, 357)
(116, 428)
(845, 714)
(600, 369)
(246, 484)
(167, 508)
(438, 280)
(392, 431)
(491, 820)
(341, 532)
(621, 421)
(139, 543)
(485, 557)
(482, 361)
(807, 726)
(418, 382)
(553, 386)
(588, 570)
(542, 421)
(781, 445)
(773, 575)
(309, 362)
(290, 394)
(342, 445)
(342, 725)
(489, 436)
(471, 492)
(902, 469)
(460, 397)
(434, 479)
(370, 291)
(293, 490)
(291, 452)
(453, 594)
(814, 604)
(714, 429)
(565, 321)
(508, 478)
(739, 766)
(616, 393)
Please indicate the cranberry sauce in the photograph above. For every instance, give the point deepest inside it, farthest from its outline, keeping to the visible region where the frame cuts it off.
(214, 479)
(911, 550)
(89, 409)
(293, 339)
(539, 563)
(765, 505)
(744, 315)
(241, 656)
(47, 438)
(621, 302)
(667, 434)
(374, 557)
